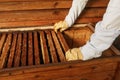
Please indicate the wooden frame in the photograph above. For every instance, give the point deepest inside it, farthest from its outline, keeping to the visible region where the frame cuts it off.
(79, 70)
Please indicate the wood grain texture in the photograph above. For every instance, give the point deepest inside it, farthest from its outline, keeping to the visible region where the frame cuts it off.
(24, 50)
(63, 42)
(5, 50)
(25, 24)
(58, 47)
(51, 47)
(12, 51)
(34, 5)
(22, 13)
(30, 48)
(44, 49)
(48, 4)
(117, 74)
(39, 15)
(18, 51)
(2, 40)
(36, 49)
(80, 70)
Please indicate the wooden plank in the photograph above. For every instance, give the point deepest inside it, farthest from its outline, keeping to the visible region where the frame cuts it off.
(46, 14)
(54, 4)
(58, 47)
(27, 23)
(24, 50)
(34, 5)
(108, 53)
(117, 74)
(30, 48)
(44, 49)
(92, 65)
(59, 71)
(63, 42)
(17, 56)
(12, 51)
(5, 50)
(93, 12)
(106, 75)
(2, 40)
(45, 22)
(51, 47)
(15, 0)
(98, 3)
(91, 1)
(36, 49)
(32, 15)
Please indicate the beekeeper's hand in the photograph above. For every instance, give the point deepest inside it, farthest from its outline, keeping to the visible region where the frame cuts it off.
(62, 25)
(74, 54)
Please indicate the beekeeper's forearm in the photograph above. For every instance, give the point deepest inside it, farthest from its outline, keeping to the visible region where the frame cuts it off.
(75, 10)
(106, 32)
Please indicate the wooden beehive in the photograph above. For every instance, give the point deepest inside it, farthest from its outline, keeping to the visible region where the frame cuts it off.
(30, 49)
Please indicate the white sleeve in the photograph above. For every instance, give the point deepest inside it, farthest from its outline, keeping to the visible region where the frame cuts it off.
(105, 33)
(75, 10)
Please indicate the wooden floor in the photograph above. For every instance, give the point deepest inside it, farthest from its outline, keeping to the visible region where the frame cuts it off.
(31, 48)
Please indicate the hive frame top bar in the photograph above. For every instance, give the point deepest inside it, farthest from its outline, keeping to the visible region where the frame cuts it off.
(36, 28)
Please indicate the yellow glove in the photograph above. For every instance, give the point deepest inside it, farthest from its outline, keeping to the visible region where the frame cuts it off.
(62, 25)
(74, 54)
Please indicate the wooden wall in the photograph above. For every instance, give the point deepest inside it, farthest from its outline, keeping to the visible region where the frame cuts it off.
(26, 13)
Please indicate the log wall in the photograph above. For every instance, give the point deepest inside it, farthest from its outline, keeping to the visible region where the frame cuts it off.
(22, 13)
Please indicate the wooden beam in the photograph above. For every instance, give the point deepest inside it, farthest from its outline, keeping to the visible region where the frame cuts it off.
(30, 48)
(11, 5)
(46, 14)
(34, 5)
(94, 67)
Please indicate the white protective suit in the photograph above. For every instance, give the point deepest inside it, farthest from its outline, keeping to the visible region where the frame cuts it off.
(105, 31)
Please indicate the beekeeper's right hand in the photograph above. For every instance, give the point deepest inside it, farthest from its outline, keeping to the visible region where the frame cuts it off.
(74, 54)
(61, 25)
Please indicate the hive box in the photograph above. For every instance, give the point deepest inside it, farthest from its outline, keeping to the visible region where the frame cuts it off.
(30, 49)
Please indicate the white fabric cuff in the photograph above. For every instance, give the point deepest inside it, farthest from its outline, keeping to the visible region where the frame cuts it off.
(89, 52)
